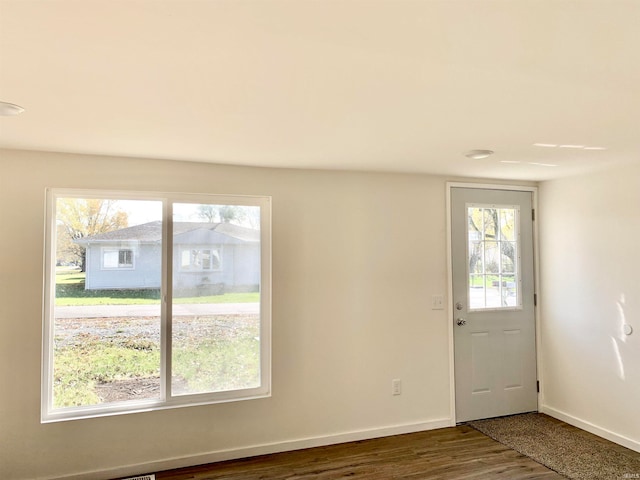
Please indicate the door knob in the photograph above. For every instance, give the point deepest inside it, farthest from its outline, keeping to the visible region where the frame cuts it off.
(461, 321)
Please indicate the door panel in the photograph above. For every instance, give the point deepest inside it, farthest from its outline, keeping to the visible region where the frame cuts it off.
(493, 289)
(481, 355)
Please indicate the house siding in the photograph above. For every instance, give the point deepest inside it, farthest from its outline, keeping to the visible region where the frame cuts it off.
(240, 268)
(146, 271)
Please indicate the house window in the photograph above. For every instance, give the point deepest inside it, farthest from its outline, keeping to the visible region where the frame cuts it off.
(200, 259)
(114, 258)
(122, 340)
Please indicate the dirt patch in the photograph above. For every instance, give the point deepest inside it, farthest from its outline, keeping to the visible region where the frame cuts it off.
(128, 389)
(135, 389)
(73, 331)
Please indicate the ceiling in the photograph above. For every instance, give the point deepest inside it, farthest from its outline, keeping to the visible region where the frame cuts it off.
(376, 85)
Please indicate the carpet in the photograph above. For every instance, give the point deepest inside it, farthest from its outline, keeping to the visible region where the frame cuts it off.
(563, 448)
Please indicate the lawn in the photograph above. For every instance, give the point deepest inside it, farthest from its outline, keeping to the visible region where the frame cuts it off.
(118, 359)
(104, 360)
(70, 291)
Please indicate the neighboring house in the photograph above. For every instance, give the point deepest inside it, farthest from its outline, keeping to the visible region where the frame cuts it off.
(207, 257)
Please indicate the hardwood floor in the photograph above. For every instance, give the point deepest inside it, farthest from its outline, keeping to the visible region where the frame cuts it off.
(448, 453)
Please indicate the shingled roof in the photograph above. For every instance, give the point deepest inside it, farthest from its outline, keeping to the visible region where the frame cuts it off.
(152, 232)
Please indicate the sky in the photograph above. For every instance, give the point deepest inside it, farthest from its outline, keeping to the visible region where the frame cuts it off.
(143, 211)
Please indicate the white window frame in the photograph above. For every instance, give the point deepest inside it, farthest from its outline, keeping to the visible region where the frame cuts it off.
(119, 266)
(167, 400)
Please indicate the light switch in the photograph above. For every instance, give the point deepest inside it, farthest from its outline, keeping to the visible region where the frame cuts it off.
(437, 302)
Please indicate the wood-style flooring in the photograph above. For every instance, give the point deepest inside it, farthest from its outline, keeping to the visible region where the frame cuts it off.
(459, 453)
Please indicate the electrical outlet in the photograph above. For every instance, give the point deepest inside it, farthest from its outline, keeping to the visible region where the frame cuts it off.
(396, 386)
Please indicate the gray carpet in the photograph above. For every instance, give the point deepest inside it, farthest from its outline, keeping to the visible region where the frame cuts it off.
(568, 450)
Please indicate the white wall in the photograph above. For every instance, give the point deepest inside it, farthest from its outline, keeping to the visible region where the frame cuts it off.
(590, 278)
(356, 259)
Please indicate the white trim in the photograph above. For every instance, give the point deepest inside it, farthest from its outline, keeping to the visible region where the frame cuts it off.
(260, 449)
(491, 186)
(49, 295)
(536, 307)
(536, 277)
(591, 428)
(450, 313)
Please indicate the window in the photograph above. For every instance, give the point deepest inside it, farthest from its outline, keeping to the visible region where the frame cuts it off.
(493, 257)
(113, 258)
(199, 259)
(190, 324)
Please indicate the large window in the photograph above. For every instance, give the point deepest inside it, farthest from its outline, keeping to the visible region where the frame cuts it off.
(154, 301)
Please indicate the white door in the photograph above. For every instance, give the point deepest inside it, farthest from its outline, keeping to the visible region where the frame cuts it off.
(493, 298)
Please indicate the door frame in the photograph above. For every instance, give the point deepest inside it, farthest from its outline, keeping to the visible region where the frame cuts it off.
(536, 278)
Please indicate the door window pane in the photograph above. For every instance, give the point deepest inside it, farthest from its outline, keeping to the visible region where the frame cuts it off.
(492, 255)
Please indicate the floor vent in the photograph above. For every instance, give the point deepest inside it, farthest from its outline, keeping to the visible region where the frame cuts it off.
(142, 477)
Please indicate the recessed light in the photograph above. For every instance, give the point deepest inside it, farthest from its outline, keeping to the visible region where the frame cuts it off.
(547, 145)
(571, 146)
(594, 148)
(510, 161)
(10, 109)
(478, 154)
(543, 164)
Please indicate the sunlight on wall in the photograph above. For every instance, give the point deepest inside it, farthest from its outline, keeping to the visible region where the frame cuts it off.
(622, 338)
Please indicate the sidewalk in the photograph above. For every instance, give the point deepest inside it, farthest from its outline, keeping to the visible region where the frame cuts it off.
(96, 311)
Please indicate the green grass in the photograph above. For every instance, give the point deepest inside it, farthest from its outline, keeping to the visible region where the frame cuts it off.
(476, 280)
(80, 367)
(204, 362)
(219, 365)
(70, 291)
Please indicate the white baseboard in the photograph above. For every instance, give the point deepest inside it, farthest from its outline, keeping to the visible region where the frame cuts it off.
(591, 428)
(254, 450)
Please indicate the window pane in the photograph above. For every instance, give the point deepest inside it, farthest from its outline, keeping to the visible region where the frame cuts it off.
(476, 257)
(106, 319)
(476, 291)
(206, 259)
(216, 302)
(508, 257)
(509, 291)
(493, 292)
(490, 217)
(110, 259)
(125, 258)
(507, 224)
(492, 256)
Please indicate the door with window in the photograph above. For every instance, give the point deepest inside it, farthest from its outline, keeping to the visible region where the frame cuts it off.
(493, 298)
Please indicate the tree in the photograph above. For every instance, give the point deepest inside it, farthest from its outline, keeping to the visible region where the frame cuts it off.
(492, 225)
(208, 212)
(221, 213)
(83, 217)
